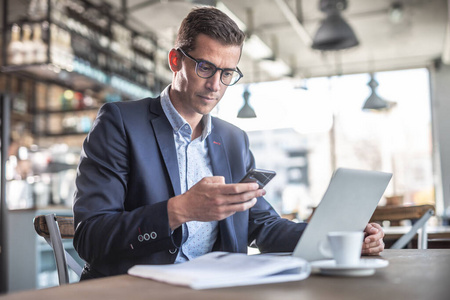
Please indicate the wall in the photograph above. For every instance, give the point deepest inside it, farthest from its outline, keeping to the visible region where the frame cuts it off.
(440, 101)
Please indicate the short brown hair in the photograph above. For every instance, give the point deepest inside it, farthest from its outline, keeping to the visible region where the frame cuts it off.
(209, 21)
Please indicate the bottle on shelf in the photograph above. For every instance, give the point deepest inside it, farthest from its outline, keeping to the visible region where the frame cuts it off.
(19, 104)
(37, 9)
(67, 99)
(77, 102)
(84, 123)
(55, 48)
(61, 51)
(90, 99)
(68, 51)
(69, 123)
(14, 50)
(27, 45)
(54, 102)
(40, 48)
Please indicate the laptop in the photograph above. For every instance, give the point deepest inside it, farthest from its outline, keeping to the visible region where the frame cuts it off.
(347, 205)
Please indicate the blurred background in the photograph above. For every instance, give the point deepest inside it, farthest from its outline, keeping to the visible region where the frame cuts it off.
(327, 83)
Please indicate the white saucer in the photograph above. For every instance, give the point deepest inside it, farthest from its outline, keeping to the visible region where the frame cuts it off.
(366, 267)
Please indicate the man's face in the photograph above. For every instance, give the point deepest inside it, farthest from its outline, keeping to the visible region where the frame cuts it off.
(193, 96)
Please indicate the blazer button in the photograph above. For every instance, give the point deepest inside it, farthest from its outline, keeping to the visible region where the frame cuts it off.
(173, 251)
(153, 235)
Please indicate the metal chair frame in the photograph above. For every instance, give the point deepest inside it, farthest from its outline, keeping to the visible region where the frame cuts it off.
(48, 226)
(419, 213)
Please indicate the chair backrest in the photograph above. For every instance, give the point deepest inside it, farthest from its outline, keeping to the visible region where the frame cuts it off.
(65, 225)
(418, 214)
(395, 214)
(53, 229)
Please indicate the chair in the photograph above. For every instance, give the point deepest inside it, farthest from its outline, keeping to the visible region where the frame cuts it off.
(53, 229)
(418, 214)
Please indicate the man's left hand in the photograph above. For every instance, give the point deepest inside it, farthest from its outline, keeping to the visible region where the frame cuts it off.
(373, 239)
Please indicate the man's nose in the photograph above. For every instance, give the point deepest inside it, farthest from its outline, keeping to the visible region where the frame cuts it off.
(213, 83)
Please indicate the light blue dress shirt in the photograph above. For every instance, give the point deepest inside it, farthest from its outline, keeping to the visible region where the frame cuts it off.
(194, 164)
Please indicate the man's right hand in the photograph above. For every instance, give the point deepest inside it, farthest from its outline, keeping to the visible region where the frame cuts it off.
(212, 200)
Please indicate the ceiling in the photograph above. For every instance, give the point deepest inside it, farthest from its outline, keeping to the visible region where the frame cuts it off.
(416, 38)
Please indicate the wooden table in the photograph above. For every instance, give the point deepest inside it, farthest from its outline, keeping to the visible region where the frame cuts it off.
(411, 274)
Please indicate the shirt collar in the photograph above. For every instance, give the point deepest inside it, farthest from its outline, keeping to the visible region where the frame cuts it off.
(176, 120)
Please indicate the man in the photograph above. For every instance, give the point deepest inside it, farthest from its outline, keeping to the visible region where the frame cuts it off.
(157, 179)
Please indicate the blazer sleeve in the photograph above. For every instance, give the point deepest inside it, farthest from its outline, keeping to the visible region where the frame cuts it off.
(105, 227)
(271, 233)
(266, 229)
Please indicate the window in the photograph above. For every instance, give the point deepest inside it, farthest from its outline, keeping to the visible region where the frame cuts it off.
(305, 134)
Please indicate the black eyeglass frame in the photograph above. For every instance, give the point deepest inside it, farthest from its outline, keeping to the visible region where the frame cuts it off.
(198, 61)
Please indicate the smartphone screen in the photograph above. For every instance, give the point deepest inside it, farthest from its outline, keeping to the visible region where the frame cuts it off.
(260, 176)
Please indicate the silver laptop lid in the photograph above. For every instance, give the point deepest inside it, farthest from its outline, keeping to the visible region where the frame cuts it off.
(348, 204)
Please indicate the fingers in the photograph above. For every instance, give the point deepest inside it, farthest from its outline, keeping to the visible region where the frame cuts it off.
(373, 232)
(242, 206)
(373, 242)
(373, 248)
(214, 179)
(246, 191)
(239, 197)
(213, 200)
(231, 194)
(239, 188)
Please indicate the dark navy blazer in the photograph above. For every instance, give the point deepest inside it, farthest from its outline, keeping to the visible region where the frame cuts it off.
(127, 172)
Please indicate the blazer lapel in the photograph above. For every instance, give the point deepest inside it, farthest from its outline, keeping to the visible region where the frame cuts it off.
(219, 160)
(227, 240)
(164, 135)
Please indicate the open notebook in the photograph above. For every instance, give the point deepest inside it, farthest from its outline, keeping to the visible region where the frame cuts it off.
(224, 269)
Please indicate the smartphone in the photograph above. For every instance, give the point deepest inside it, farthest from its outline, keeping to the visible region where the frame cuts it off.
(260, 176)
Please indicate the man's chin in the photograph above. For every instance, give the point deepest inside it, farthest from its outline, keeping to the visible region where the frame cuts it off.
(206, 109)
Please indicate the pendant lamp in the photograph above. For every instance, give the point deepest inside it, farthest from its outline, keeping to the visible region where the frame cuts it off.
(375, 102)
(334, 33)
(246, 111)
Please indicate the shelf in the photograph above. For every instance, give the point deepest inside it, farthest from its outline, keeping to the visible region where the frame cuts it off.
(51, 134)
(123, 57)
(24, 20)
(65, 111)
(53, 74)
(71, 13)
(77, 81)
(21, 117)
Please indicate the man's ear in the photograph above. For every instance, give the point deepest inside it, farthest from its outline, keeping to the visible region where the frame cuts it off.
(175, 60)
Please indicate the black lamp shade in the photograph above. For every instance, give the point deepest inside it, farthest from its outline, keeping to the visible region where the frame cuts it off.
(374, 102)
(246, 111)
(334, 34)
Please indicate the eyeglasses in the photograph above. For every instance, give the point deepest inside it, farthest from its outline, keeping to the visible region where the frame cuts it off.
(206, 69)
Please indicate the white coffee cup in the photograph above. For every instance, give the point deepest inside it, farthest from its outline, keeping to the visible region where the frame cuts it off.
(346, 246)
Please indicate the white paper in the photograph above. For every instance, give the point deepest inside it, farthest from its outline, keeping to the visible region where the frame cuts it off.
(224, 269)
